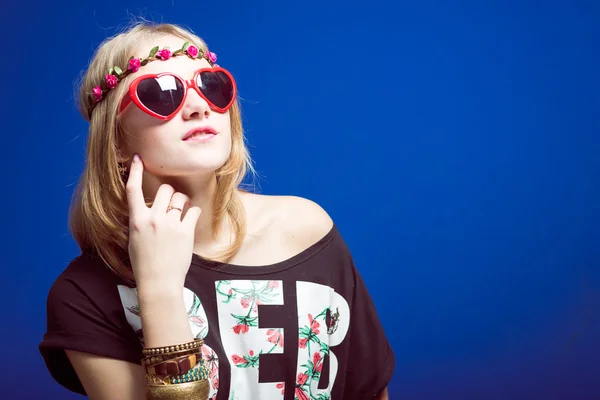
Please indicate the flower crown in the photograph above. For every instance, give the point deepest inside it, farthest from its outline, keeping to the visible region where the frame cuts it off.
(116, 74)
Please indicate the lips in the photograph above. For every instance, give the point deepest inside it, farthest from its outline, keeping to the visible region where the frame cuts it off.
(205, 130)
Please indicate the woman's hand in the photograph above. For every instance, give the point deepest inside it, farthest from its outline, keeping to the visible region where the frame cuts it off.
(161, 237)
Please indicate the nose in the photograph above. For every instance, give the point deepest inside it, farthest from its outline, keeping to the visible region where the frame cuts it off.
(195, 106)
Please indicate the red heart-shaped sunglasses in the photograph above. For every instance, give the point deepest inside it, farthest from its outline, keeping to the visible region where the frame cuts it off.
(162, 95)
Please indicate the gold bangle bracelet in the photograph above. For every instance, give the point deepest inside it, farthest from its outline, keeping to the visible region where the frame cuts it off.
(197, 390)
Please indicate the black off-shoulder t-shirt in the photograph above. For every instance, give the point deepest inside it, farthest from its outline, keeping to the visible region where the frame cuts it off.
(305, 328)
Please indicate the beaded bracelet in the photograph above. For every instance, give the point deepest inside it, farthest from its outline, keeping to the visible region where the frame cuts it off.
(195, 374)
(196, 344)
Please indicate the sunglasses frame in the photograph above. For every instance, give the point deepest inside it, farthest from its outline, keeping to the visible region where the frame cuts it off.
(132, 95)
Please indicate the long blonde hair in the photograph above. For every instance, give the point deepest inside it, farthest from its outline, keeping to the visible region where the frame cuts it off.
(99, 218)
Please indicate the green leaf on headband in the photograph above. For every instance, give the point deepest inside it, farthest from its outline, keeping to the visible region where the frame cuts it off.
(118, 70)
(153, 52)
(144, 61)
(131, 58)
(177, 52)
(111, 71)
(185, 46)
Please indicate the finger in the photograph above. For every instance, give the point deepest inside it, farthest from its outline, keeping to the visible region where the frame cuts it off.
(133, 187)
(190, 219)
(187, 205)
(177, 205)
(162, 198)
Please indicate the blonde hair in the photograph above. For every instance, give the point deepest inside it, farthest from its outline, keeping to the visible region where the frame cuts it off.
(99, 218)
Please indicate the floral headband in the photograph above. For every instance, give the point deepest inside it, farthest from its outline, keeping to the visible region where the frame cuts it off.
(116, 74)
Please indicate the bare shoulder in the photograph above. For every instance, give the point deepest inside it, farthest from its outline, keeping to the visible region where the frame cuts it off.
(301, 221)
(304, 215)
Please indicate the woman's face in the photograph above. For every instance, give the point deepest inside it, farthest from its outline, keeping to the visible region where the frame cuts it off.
(161, 144)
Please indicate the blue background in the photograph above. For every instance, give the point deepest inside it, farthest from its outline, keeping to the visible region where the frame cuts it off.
(455, 144)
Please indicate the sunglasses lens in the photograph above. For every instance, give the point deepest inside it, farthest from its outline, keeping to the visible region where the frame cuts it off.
(161, 95)
(217, 87)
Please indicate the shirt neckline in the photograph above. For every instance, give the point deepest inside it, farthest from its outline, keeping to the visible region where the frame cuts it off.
(237, 269)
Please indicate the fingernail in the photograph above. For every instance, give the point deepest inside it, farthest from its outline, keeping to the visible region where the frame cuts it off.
(136, 158)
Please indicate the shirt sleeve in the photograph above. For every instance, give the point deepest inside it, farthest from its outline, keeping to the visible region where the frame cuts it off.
(84, 313)
(371, 359)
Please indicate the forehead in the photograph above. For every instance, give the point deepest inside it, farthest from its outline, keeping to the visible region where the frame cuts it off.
(181, 65)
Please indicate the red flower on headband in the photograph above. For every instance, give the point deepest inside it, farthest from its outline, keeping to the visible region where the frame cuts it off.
(134, 64)
(111, 81)
(212, 57)
(97, 92)
(164, 54)
(192, 51)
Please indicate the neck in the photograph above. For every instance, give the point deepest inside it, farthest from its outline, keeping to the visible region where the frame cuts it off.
(201, 189)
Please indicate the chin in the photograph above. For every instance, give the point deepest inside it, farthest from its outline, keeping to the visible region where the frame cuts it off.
(187, 169)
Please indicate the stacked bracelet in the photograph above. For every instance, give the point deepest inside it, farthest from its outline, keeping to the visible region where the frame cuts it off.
(198, 373)
(195, 374)
(167, 350)
(197, 390)
(175, 366)
(172, 360)
(176, 372)
(151, 360)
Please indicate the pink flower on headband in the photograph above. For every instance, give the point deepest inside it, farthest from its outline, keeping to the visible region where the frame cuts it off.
(164, 54)
(212, 57)
(192, 51)
(111, 81)
(134, 64)
(97, 92)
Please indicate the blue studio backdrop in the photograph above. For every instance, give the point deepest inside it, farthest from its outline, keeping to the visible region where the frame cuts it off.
(455, 144)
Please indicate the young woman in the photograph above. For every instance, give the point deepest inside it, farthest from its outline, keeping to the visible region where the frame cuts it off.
(188, 286)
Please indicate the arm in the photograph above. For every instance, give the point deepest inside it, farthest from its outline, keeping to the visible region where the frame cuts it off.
(383, 395)
(108, 379)
(160, 249)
